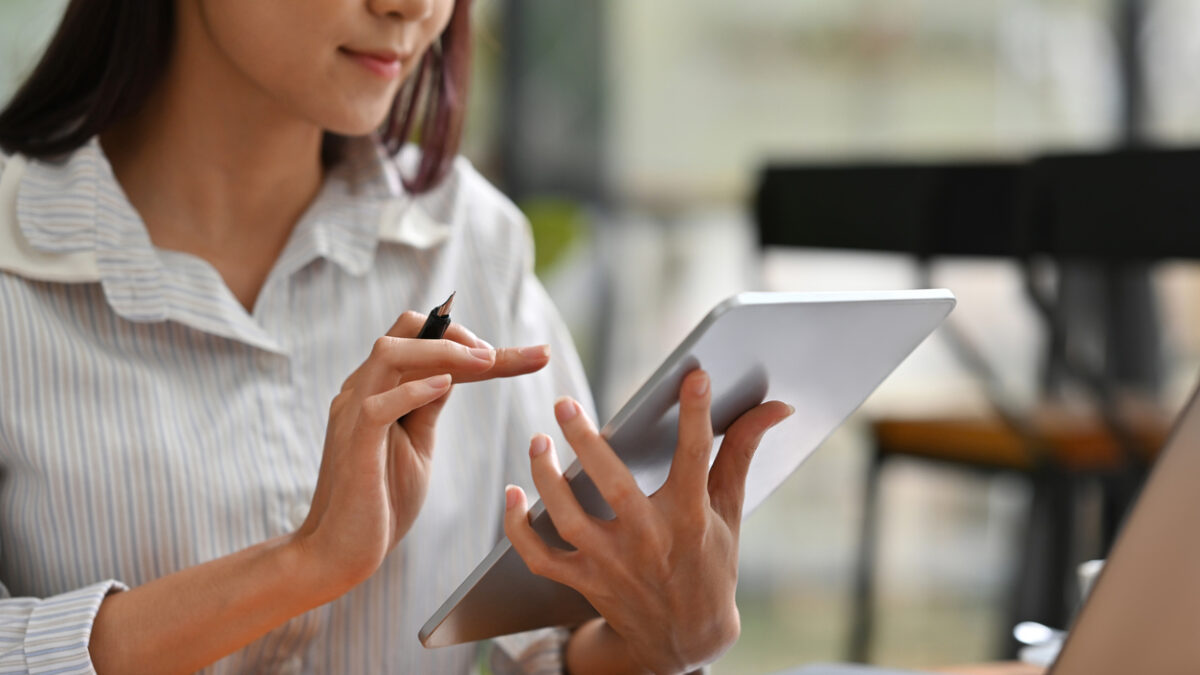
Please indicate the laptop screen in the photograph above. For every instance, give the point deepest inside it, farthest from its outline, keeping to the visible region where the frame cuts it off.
(1143, 616)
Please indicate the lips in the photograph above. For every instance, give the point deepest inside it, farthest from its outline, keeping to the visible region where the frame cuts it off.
(382, 63)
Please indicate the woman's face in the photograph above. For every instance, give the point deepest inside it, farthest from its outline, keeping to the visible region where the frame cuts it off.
(335, 63)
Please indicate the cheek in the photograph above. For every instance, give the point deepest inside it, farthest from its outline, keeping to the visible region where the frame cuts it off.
(287, 50)
(270, 41)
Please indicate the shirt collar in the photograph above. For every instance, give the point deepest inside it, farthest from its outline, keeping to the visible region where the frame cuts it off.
(362, 203)
(75, 210)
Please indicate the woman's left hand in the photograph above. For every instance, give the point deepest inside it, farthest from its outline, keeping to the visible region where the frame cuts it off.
(663, 572)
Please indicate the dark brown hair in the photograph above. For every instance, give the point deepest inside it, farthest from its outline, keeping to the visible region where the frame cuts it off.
(108, 55)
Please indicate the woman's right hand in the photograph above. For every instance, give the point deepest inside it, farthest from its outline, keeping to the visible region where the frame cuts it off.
(375, 471)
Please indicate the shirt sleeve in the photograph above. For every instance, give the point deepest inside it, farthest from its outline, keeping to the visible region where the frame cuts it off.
(50, 635)
(538, 652)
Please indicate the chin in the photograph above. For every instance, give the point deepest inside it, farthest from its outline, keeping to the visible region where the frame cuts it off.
(354, 119)
(357, 127)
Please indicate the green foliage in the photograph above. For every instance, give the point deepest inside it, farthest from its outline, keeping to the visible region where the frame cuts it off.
(558, 224)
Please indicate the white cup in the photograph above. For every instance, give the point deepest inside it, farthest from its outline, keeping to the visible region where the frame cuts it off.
(1087, 573)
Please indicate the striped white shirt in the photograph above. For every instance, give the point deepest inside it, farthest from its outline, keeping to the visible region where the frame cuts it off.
(149, 423)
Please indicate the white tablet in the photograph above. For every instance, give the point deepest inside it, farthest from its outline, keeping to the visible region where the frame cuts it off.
(823, 353)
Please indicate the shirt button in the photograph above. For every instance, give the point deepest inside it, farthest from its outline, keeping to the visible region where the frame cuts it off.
(298, 513)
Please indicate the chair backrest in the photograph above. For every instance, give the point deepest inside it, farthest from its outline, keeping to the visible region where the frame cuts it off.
(921, 209)
(1115, 211)
(1118, 207)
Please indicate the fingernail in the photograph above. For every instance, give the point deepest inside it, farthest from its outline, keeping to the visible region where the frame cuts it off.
(510, 497)
(538, 352)
(700, 384)
(482, 354)
(565, 409)
(438, 382)
(791, 409)
(538, 445)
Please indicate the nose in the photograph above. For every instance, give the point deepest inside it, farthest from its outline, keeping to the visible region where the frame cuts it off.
(409, 10)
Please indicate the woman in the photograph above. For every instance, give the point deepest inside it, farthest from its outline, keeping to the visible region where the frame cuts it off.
(204, 226)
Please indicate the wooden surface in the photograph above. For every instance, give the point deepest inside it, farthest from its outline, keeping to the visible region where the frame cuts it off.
(1077, 442)
(1009, 668)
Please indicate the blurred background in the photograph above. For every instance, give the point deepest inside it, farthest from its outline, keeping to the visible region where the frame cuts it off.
(637, 136)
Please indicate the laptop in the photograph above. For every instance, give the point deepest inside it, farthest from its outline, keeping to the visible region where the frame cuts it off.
(1143, 614)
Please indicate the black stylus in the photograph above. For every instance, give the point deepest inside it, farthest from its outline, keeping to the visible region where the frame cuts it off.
(435, 325)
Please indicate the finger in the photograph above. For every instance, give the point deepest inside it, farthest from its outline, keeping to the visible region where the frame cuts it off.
(509, 362)
(392, 358)
(574, 525)
(540, 558)
(421, 424)
(409, 324)
(461, 334)
(602, 465)
(377, 413)
(384, 408)
(411, 358)
(727, 480)
(512, 361)
(689, 467)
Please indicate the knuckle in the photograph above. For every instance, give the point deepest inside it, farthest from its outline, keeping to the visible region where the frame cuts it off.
(576, 569)
(727, 630)
(701, 447)
(451, 351)
(693, 517)
(538, 563)
(381, 347)
(746, 450)
(372, 410)
(339, 401)
(623, 495)
(694, 530)
(573, 530)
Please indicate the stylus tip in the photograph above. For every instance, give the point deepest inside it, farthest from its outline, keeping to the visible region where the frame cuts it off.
(445, 308)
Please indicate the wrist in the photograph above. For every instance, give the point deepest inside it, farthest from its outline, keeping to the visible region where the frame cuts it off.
(595, 647)
(304, 570)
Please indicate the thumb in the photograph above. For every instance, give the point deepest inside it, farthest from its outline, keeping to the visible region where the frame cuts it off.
(727, 479)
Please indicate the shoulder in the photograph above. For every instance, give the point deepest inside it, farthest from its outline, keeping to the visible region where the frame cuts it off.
(17, 256)
(474, 208)
(468, 188)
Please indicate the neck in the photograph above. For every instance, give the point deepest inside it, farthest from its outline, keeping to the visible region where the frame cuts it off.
(213, 151)
(214, 166)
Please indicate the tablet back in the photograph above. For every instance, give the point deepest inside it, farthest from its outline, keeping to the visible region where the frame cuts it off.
(823, 353)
